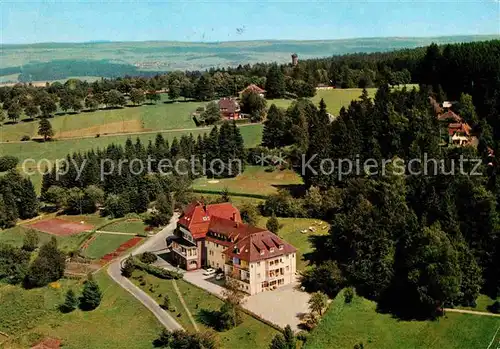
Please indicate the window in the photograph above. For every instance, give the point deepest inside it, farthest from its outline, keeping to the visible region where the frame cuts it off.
(258, 264)
(271, 263)
(258, 276)
(287, 268)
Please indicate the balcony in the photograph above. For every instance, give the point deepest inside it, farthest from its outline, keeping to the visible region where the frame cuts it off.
(184, 253)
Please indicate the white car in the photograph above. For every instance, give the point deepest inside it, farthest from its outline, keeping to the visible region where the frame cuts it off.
(219, 276)
(209, 272)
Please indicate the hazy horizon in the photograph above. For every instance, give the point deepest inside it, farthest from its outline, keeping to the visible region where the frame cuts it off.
(103, 41)
(77, 21)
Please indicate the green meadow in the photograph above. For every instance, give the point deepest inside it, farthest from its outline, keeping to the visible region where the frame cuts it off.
(345, 325)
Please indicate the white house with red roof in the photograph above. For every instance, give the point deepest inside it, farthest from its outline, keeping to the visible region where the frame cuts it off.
(214, 236)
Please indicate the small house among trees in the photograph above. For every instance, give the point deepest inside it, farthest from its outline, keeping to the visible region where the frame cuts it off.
(229, 109)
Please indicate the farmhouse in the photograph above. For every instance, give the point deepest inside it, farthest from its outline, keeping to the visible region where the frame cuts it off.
(214, 236)
(229, 109)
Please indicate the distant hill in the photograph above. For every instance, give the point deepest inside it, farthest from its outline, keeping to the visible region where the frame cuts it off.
(55, 61)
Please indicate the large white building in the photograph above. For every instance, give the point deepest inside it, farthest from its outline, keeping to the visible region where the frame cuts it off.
(214, 235)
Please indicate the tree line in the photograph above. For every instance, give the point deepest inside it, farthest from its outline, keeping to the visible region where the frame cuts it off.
(118, 179)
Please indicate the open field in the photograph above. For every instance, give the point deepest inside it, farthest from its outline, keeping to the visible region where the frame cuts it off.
(251, 334)
(254, 180)
(131, 226)
(131, 119)
(345, 325)
(291, 231)
(14, 236)
(120, 321)
(334, 99)
(103, 244)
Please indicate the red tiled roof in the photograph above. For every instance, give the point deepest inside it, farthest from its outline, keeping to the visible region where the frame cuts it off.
(197, 217)
(228, 105)
(254, 88)
(259, 246)
(449, 115)
(459, 127)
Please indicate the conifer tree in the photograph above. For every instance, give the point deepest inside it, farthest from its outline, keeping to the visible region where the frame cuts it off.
(91, 296)
(70, 302)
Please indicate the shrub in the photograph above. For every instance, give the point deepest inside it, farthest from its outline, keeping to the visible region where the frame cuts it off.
(166, 303)
(148, 257)
(25, 138)
(30, 241)
(348, 294)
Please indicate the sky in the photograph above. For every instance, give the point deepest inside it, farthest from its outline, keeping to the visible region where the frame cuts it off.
(212, 21)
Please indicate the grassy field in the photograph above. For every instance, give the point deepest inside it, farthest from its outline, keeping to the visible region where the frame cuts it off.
(334, 99)
(131, 226)
(291, 229)
(130, 119)
(251, 334)
(345, 325)
(14, 236)
(120, 321)
(103, 244)
(254, 180)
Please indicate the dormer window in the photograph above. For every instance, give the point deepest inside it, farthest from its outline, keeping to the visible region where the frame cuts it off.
(280, 247)
(262, 252)
(271, 249)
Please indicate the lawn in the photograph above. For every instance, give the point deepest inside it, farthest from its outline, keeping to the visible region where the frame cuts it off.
(334, 99)
(131, 226)
(345, 325)
(14, 236)
(254, 180)
(104, 244)
(120, 321)
(291, 231)
(251, 334)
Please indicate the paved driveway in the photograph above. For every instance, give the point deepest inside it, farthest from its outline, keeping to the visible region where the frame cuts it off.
(282, 307)
(155, 243)
(197, 278)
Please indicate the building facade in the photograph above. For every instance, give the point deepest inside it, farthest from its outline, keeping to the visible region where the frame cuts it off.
(214, 236)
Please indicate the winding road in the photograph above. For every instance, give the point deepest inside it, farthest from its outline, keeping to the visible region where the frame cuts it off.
(154, 243)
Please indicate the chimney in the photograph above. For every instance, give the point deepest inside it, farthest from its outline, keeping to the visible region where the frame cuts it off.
(234, 216)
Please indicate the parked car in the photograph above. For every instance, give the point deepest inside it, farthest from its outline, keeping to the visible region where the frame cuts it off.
(209, 272)
(219, 276)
